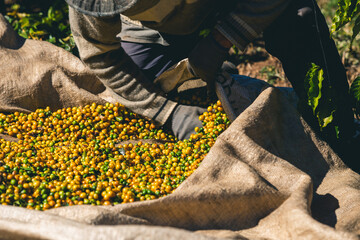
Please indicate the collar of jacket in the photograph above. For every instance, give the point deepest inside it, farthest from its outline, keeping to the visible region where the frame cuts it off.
(104, 8)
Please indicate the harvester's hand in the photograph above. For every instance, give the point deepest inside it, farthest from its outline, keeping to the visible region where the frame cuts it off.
(206, 59)
(184, 120)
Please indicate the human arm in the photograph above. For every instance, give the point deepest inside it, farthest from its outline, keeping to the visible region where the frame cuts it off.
(249, 19)
(101, 51)
(240, 26)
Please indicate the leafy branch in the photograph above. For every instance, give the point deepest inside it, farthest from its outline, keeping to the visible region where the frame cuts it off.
(355, 94)
(348, 12)
(51, 25)
(320, 99)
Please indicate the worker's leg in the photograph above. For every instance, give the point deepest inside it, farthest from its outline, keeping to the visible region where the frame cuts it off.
(300, 37)
(2, 7)
(154, 59)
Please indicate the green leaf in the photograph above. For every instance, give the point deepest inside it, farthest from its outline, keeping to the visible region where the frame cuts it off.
(356, 29)
(347, 9)
(15, 7)
(22, 34)
(9, 19)
(39, 33)
(325, 121)
(62, 27)
(325, 113)
(25, 22)
(205, 32)
(354, 7)
(313, 85)
(320, 98)
(50, 13)
(355, 89)
(340, 17)
(355, 94)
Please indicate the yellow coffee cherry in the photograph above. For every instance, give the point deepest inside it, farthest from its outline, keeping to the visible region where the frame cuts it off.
(75, 156)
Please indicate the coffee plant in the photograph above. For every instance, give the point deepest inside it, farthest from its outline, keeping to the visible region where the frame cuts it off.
(319, 97)
(49, 24)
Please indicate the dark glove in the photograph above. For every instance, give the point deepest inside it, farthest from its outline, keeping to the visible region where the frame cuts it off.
(184, 119)
(206, 59)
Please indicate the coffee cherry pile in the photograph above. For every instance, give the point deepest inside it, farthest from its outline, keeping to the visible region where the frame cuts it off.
(97, 155)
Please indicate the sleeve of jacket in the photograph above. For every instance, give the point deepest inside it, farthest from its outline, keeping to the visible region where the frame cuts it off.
(249, 19)
(100, 49)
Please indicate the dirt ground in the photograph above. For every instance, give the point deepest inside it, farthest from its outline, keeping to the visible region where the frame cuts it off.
(256, 62)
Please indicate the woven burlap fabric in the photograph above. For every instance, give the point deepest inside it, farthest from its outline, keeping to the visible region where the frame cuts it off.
(36, 74)
(267, 176)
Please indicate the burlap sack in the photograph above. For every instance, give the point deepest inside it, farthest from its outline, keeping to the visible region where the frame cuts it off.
(237, 92)
(266, 177)
(37, 74)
